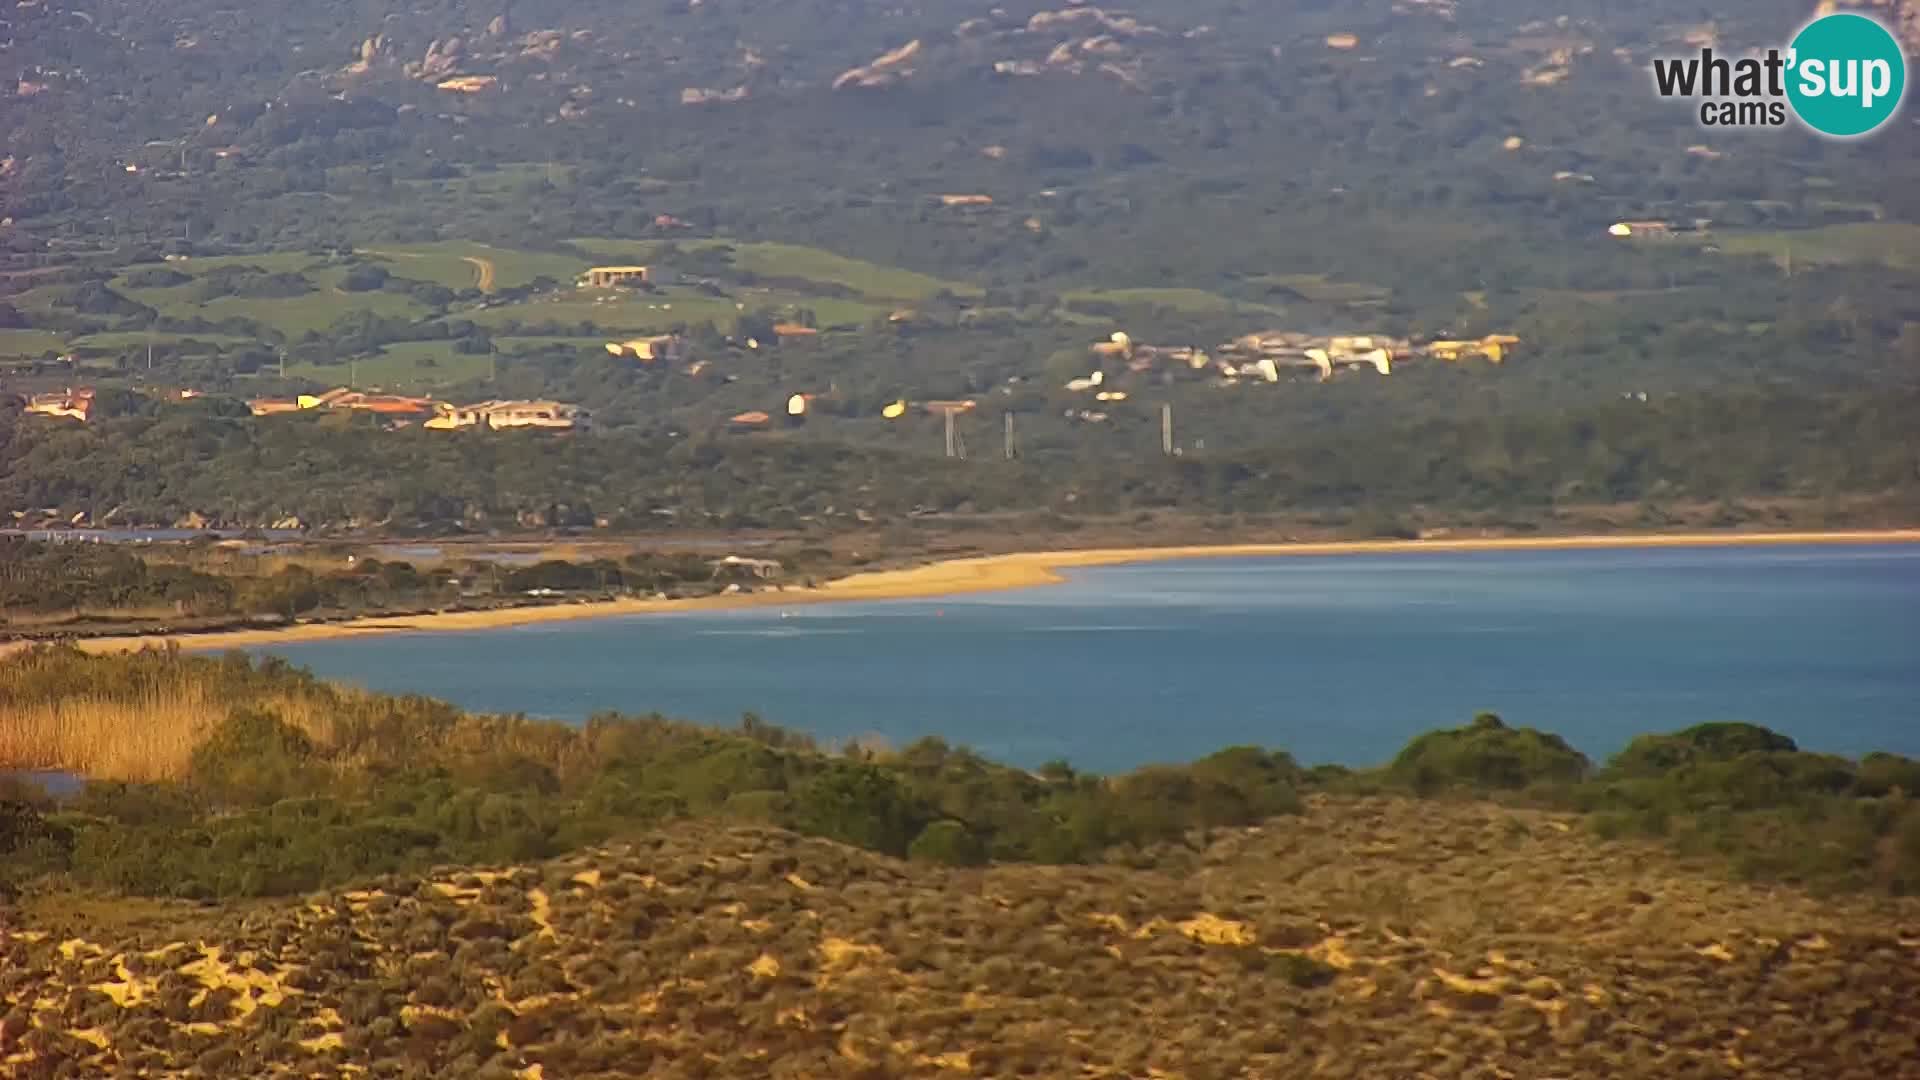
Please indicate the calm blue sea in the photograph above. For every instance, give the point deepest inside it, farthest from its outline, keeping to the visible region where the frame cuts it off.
(1337, 659)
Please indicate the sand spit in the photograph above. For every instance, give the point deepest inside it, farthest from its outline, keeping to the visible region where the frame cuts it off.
(955, 577)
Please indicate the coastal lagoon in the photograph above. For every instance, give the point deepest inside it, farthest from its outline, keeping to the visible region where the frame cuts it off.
(1335, 658)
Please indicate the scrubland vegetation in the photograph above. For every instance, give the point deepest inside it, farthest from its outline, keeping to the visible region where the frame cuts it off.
(52, 591)
(451, 895)
(1375, 936)
(231, 777)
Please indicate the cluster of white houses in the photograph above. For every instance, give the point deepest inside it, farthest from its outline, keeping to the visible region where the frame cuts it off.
(1266, 356)
(500, 415)
(435, 415)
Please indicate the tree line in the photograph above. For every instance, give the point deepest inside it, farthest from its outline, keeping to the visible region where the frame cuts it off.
(145, 462)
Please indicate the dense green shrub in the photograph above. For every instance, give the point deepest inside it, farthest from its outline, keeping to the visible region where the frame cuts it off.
(1759, 781)
(860, 804)
(763, 807)
(23, 827)
(155, 277)
(1162, 803)
(948, 843)
(624, 797)
(251, 282)
(1652, 755)
(725, 768)
(1298, 969)
(95, 298)
(1268, 781)
(254, 758)
(429, 293)
(1883, 774)
(508, 772)
(1488, 755)
(365, 278)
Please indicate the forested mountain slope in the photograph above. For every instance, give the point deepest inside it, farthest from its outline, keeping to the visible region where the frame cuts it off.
(959, 199)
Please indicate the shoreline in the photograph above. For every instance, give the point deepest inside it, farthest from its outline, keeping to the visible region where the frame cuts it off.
(953, 577)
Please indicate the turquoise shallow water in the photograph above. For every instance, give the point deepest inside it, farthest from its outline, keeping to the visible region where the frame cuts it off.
(1339, 658)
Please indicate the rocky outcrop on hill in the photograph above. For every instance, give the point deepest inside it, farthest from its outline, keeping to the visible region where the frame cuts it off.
(443, 59)
(701, 95)
(374, 51)
(884, 70)
(1080, 17)
(461, 59)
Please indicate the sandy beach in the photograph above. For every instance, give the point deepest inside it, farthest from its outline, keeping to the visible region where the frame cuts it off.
(951, 578)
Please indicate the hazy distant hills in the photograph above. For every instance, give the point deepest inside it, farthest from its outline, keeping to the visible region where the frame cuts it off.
(616, 81)
(1177, 169)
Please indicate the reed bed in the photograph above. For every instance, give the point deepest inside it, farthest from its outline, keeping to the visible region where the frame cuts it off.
(138, 717)
(151, 738)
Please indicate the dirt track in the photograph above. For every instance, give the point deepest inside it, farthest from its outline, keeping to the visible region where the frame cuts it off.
(483, 272)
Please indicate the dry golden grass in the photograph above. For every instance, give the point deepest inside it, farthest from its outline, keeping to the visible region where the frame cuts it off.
(149, 738)
(142, 721)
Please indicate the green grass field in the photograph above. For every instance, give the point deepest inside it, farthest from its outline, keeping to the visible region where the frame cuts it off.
(1185, 301)
(273, 262)
(842, 313)
(27, 344)
(291, 316)
(828, 311)
(461, 265)
(403, 366)
(508, 178)
(318, 269)
(314, 311)
(137, 339)
(620, 312)
(425, 362)
(508, 345)
(37, 301)
(447, 263)
(615, 312)
(871, 280)
(1894, 244)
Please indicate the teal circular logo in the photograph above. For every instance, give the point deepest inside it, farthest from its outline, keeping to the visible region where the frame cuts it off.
(1846, 75)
